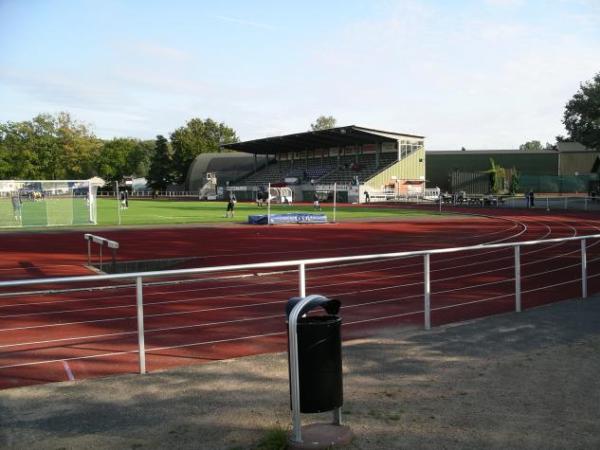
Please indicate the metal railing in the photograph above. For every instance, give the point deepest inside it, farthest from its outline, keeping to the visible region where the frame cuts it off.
(541, 202)
(302, 264)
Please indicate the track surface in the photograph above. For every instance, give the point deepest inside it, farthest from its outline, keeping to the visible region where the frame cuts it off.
(88, 333)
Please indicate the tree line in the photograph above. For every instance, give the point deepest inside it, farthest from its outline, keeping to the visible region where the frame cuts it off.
(54, 147)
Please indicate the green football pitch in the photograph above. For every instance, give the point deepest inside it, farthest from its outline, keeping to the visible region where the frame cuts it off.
(147, 212)
(57, 212)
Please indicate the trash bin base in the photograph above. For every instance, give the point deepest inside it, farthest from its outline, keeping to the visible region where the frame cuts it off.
(322, 436)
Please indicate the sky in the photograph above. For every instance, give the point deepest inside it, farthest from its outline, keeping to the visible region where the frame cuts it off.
(479, 74)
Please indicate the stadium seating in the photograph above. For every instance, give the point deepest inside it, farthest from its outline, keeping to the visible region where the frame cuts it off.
(327, 170)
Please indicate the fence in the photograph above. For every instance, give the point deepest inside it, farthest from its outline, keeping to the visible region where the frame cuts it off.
(301, 266)
(558, 184)
(153, 194)
(543, 201)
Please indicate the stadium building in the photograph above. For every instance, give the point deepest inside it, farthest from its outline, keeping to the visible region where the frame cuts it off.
(355, 159)
(569, 168)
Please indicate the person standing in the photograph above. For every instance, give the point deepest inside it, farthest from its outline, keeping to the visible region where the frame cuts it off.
(367, 197)
(230, 205)
(316, 204)
(17, 205)
(531, 199)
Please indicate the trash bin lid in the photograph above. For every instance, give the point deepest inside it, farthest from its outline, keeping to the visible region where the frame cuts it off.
(332, 306)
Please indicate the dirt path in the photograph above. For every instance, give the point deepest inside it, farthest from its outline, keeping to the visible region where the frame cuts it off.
(512, 381)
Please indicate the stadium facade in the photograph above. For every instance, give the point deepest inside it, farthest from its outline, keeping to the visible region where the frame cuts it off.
(355, 159)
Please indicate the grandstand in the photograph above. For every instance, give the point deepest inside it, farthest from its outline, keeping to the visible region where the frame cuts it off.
(358, 159)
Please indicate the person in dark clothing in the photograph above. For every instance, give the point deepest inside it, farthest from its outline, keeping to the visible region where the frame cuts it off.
(231, 205)
(367, 197)
(530, 199)
(316, 204)
(124, 199)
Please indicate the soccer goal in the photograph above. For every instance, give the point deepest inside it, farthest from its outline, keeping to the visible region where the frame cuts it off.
(282, 195)
(47, 203)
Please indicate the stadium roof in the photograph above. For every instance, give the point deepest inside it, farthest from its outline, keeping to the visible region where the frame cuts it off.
(310, 140)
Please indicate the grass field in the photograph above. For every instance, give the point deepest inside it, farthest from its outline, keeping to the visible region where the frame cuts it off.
(146, 212)
(56, 212)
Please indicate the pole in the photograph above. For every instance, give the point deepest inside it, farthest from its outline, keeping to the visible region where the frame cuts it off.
(518, 278)
(118, 201)
(427, 291)
(89, 245)
(302, 273)
(269, 204)
(583, 269)
(334, 200)
(140, 323)
(440, 200)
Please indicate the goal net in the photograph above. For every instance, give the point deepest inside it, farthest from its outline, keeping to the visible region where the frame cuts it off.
(47, 203)
(281, 195)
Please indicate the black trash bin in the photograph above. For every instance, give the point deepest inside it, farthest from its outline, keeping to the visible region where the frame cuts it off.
(319, 357)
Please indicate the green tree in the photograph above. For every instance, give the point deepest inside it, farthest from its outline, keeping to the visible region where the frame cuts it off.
(19, 158)
(323, 123)
(514, 182)
(115, 159)
(46, 147)
(196, 137)
(497, 177)
(582, 114)
(78, 148)
(160, 174)
(531, 146)
(143, 156)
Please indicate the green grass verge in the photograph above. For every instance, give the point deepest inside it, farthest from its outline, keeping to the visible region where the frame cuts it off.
(275, 438)
(147, 212)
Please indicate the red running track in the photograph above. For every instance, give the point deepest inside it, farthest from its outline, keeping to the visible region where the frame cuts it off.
(92, 332)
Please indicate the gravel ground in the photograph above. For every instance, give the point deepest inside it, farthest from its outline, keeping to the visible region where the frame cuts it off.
(518, 381)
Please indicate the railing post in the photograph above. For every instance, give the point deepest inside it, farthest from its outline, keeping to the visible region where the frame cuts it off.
(518, 278)
(269, 204)
(140, 323)
(334, 201)
(302, 272)
(427, 291)
(583, 269)
(89, 249)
